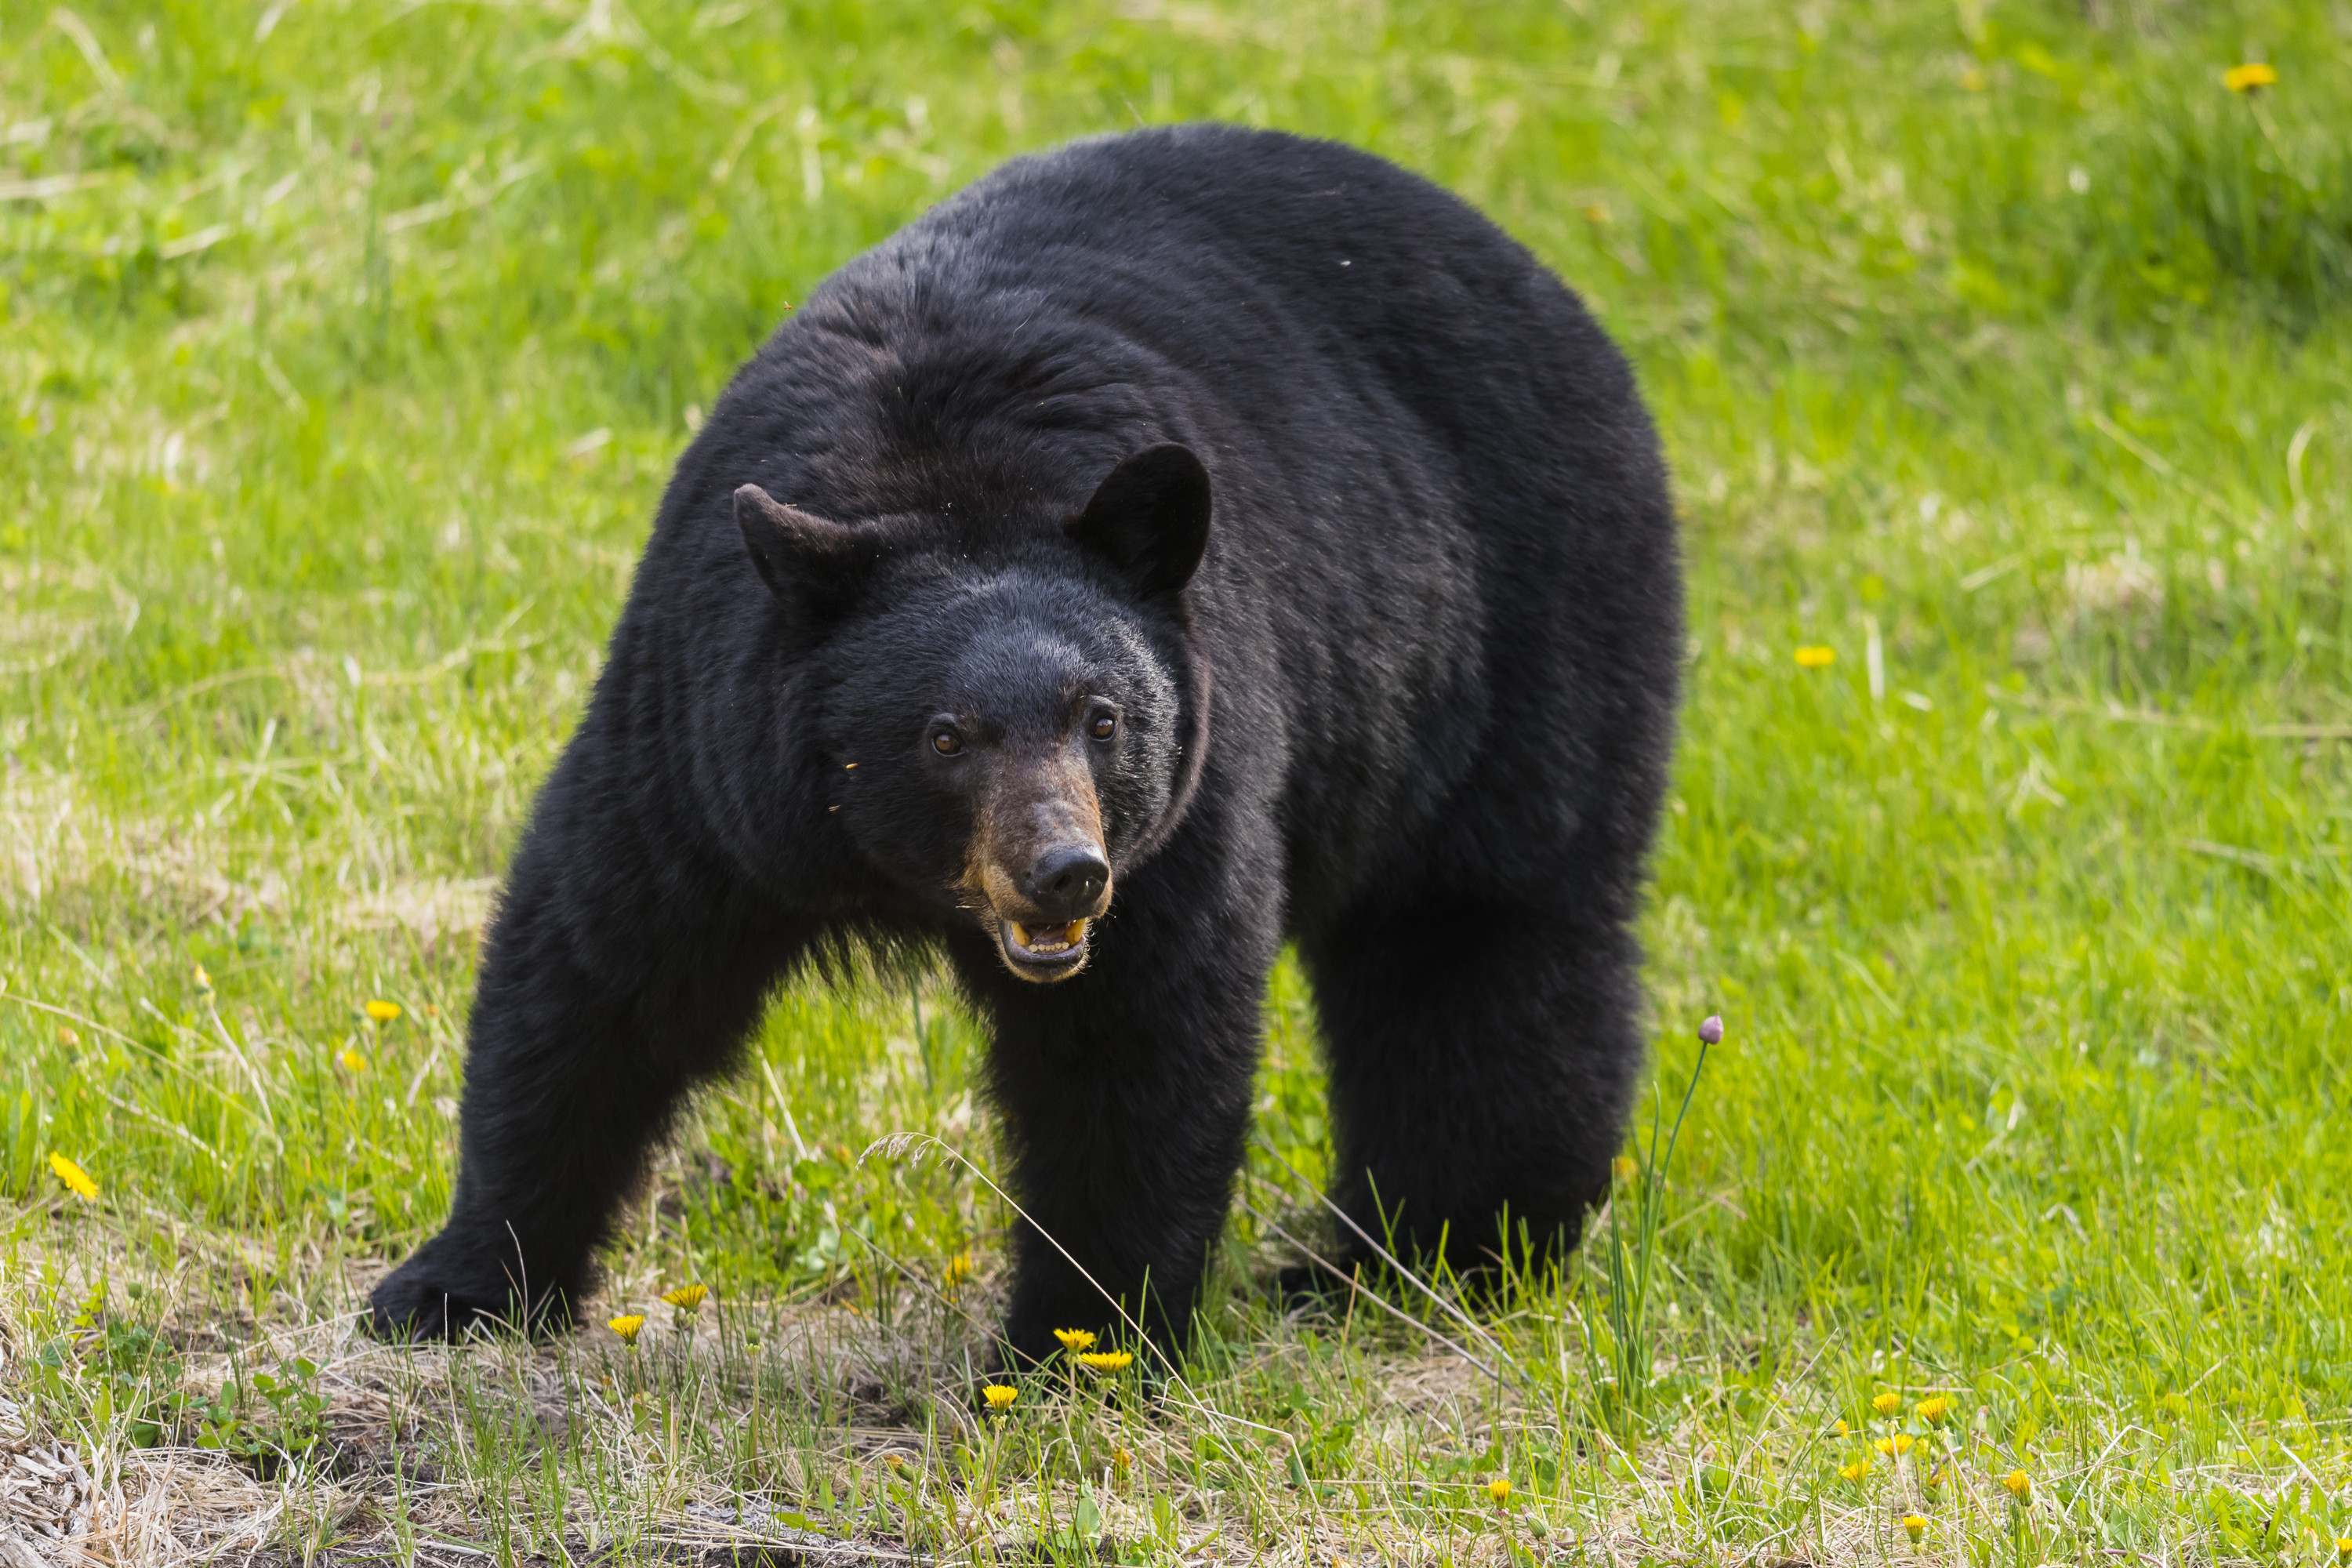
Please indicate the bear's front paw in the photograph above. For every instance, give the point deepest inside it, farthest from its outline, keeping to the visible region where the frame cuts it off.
(434, 1296)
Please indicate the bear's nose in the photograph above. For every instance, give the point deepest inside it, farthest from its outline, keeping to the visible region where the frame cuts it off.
(1067, 881)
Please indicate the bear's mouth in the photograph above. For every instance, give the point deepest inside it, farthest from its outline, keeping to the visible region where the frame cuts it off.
(1046, 951)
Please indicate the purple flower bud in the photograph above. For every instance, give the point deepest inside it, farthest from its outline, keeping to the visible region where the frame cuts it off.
(1711, 1032)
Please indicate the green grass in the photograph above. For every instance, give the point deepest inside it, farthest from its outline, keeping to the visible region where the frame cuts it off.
(344, 346)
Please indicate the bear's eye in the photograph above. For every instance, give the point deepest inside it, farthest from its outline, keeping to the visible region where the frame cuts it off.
(946, 742)
(1103, 726)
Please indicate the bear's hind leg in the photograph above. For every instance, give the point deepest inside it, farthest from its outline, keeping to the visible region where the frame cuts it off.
(1482, 1061)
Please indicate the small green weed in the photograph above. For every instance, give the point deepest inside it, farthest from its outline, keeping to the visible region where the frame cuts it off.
(1622, 1365)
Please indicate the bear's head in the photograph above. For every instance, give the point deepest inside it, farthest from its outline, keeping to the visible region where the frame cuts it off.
(1008, 722)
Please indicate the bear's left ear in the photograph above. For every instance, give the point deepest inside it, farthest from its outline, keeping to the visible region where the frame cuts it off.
(1150, 518)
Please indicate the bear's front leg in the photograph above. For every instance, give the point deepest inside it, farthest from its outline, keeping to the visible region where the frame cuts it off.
(1126, 1099)
(622, 967)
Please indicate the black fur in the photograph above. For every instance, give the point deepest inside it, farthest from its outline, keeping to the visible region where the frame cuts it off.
(1414, 709)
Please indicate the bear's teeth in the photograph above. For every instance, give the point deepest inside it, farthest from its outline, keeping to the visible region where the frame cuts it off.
(1059, 939)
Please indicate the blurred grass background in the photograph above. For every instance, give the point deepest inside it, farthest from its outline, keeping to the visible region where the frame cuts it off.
(2000, 348)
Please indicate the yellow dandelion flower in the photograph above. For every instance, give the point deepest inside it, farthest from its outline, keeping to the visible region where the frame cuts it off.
(1075, 1339)
(2247, 77)
(2344, 1549)
(1856, 1471)
(1105, 1361)
(1896, 1445)
(1623, 1168)
(382, 1012)
(626, 1325)
(1934, 1409)
(1842, 1429)
(1499, 1489)
(1887, 1403)
(998, 1396)
(66, 1037)
(895, 1461)
(74, 1176)
(353, 1061)
(687, 1298)
(1596, 212)
(204, 981)
(2020, 1485)
(959, 1270)
(1817, 657)
(1915, 1525)
(1120, 1459)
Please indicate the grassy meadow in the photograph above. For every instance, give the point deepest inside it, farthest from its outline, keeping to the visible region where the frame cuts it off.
(2002, 350)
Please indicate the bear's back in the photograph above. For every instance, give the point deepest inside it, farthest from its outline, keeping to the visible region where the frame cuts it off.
(1229, 252)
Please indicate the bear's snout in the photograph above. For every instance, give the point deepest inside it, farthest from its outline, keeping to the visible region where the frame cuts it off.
(1040, 865)
(1067, 882)
(1043, 935)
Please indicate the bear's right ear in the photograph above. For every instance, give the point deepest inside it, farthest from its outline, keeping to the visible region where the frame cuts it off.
(805, 561)
(1150, 518)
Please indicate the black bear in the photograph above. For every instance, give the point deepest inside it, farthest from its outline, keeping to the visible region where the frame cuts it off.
(1172, 543)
